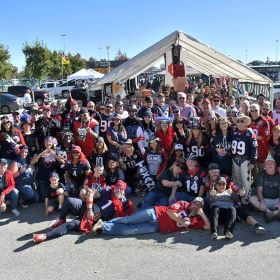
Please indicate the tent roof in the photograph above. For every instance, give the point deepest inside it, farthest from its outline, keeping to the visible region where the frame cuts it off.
(199, 56)
(85, 74)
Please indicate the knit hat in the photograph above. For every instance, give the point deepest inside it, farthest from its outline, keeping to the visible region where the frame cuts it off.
(213, 166)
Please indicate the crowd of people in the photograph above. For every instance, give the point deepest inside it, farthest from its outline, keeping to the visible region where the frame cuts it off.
(197, 159)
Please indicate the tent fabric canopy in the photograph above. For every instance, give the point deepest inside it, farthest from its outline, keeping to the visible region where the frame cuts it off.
(199, 57)
(85, 74)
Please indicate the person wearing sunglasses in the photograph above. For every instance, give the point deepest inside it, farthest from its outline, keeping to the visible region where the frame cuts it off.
(186, 111)
(244, 154)
(216, 102)
(106, 118)
(265, 112)
(262, 130)
(10, 139)
(92, 112)
(149, 106)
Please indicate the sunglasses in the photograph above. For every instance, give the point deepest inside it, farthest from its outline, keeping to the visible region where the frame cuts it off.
(216, 101)
(179, 122)
(253, 111)
(181, 98)
(102, 108)
(90, 106)
(75, 152)
(240, 121)
(175, 111)
(266, 109)
(109, 107)
(148, 102)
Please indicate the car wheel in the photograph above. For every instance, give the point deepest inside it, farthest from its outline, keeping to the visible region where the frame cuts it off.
(65, 94)
(40, 101)
(5, 109)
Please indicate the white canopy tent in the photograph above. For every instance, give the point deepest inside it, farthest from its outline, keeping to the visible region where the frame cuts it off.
(84, 74)
(198, 56)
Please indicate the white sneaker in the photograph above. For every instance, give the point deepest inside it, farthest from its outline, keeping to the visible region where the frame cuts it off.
(16, 212)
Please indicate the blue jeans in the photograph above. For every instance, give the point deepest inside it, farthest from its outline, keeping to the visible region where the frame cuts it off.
(28, 193)
(144, 221)
(184, 196)
(155, 198)
(13, 197)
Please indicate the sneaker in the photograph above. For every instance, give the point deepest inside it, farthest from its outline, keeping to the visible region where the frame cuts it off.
(98, 226)
(228, 235)
(57, 223)
(16, 212)
(39, 237)
(260, 230)
(268, 216)
(214, 235)
(23, 204)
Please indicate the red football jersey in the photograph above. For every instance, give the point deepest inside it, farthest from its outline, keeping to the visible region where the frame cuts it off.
(260, 126)
(82, 138)
(95, 183)
(167, 225)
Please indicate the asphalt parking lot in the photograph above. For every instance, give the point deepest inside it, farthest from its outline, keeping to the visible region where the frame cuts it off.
(155, 256)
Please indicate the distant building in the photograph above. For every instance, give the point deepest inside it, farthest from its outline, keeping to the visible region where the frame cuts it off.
(102, 65)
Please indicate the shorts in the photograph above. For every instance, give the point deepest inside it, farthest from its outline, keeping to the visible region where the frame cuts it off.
(53, 203)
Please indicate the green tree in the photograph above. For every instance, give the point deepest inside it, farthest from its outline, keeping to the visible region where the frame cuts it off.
(121, 56)
(76, 62)
(256, 63)
(7, 70)
(37, 57)
(55, 69)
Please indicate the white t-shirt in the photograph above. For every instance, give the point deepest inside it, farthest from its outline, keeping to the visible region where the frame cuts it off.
(276, 117)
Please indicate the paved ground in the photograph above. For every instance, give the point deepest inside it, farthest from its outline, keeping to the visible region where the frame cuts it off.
(174, 256)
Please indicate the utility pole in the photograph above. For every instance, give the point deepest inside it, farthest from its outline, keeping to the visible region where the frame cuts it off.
(108, 58)
(63, 37)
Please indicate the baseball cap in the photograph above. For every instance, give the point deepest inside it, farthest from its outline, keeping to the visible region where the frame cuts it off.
(76, 149)
(99, 139)
(128, 141)
(148, 113)
(200, 200)
(222, 180)
(121, 185)
(117, 116)
(153, 138)
(54, 175)
(179, 147)
(132, 107)
(83, 110)
(148, 99)
(3, 161)
(269, 158)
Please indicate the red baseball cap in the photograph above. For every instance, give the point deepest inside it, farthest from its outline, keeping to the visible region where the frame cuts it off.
(121, 185)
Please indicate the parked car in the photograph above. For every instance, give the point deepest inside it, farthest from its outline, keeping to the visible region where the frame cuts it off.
(9, 103)
(41, 96)
(60, 90)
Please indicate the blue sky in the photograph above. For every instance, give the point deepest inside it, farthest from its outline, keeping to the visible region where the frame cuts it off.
(229, 26)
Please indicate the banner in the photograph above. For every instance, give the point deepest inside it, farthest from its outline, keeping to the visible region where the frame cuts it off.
(65, 60)
(145, 176)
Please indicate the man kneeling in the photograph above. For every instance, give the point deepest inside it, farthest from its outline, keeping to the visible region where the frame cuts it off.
(180, 216)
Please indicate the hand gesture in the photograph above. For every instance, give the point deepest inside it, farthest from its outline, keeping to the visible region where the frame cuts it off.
(90, 214)
(213, 192)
